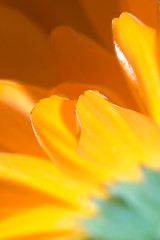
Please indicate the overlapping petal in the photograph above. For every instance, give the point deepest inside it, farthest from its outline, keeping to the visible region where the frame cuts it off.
(16, 102)
(92, 18)
(102, 124)
(25, 49)
(73, 91)
(145, 10)
(100, 15)
(81, 60)
(16, 197)
(81, 15)
(56, 128)
(44, 177)
(138, 43)
(52, 13)
(116, 138)
(44, 222)
(92, 140)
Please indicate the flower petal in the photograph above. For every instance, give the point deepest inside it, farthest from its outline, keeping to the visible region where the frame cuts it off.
(16, 102)
(100, 14)
(55, 125)
(119, 140)
(25, 49)
(52, 13)
(40, 223)
(138, 44)
(43, 176)
(145, 10)
(81, 60)
(74, 90)
(15, 197)
(22, 97)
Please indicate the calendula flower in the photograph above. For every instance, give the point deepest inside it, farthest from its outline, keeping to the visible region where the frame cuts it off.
(39, 201)
(35, 61)
(63, 187)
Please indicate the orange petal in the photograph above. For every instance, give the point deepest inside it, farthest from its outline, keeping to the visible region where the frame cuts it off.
(25, 49)
(74, 90)
(138, 44)
(145, 10)
(41, 223)
(16, 102)
(100, 14)
(92, 18)
(50, 14)
(119, 140)
(80, 60)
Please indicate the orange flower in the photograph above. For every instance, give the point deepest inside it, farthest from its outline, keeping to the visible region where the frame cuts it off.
(47, 189)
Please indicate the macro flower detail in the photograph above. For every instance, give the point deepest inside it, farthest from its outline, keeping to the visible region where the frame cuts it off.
(82, 160)
(60, 198)
(141, 52)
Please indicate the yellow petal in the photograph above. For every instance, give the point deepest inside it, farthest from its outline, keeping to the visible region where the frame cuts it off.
(15, 197)
(16, 102)
(120, 140)
(54, 122)
(25, 49)
(138, 44)
(41, 223)
(81, 60)
(44, 177)
(62, 122)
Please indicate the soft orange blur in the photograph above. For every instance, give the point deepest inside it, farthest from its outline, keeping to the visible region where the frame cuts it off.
(25, 27)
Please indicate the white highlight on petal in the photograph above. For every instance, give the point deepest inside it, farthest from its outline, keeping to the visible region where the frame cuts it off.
(126, 65)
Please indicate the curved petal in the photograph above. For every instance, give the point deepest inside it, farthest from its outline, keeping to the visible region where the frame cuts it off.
(52, 13)
(25, 49)
(74, 90)
(120, 140)
(145, 10)
(41, 223)
(81, 60)
(100, 14)
(92, 18)
(16, 102)
(55, 125)
(138, 43)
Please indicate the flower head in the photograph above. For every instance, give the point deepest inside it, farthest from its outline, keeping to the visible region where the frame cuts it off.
(89, 163)
(51, 202)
